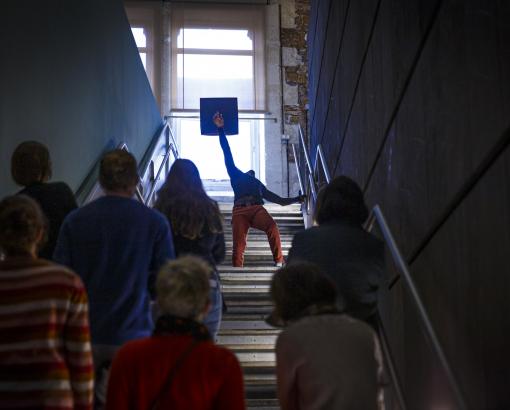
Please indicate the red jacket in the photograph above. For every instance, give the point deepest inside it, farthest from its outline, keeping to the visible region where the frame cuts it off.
(209, 378)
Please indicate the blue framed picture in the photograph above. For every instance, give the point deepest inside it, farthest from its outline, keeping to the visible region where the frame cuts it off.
(226, 107)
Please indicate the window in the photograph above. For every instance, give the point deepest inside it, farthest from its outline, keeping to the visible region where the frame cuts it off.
(141, 21)
(205, 151)
(141, 43)
(218, 52)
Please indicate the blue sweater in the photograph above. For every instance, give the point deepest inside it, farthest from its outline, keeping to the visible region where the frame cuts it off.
(116, 245)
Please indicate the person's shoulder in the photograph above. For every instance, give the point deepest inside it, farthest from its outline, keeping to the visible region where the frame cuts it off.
(307, 233)
(158, 217)
(59, 274)
(132, 350)
(219, 353)
(334, 323)
(59, 186)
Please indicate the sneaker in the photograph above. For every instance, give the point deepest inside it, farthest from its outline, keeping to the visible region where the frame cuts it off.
(278, 264)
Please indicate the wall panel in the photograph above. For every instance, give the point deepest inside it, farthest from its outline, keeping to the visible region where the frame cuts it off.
(330, 126)
(428, 136)
(71, 77)
(452, 114)
(398, 33)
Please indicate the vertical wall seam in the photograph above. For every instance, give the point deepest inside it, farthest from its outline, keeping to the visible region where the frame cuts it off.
(337, 60)
(400, 99)
(320, 66)
(358, 81)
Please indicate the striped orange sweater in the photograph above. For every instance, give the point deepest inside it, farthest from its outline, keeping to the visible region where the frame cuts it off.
(45, 354)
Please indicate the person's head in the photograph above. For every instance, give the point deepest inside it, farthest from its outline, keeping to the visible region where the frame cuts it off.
(300, 289)
(182, 288)
(118, 172)
(22, 226)
(251, 173)
(341, 199)
(183, 176)
(30, 163)
(184, 201)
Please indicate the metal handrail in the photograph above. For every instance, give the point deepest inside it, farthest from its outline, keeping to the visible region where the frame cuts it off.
(378, 216)
(308, 165)
(310, 173)
(97, 188)
(320, 155)
(171, 149)
(390, 364)
(296, 160)
(173, 144)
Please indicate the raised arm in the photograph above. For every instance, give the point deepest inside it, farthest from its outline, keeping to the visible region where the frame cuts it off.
(272, 197)
(227, 153)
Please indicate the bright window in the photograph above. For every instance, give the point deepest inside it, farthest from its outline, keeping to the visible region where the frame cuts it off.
(141, 43)
(218, 56)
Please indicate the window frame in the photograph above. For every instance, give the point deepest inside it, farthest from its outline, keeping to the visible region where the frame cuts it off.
(249, 17)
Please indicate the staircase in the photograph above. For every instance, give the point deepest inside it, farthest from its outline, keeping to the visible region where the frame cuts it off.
(246, 293)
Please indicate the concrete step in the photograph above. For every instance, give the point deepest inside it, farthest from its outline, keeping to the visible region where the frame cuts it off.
(224, 268)
(288, 230)
(255, 278)
(262, 404)
(292, 208)
(248, 341)
(260, 239)
(247, 289)
(246, 325)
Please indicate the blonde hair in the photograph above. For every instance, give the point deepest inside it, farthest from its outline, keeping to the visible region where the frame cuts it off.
(182, 287)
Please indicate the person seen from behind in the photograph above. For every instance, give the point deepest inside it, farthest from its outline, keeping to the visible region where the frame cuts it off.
(340, 246)
(116, 244)
(248, 211)
(196, 227)
(31, 168)
(325, 360)
(178, 367)
(45, 354)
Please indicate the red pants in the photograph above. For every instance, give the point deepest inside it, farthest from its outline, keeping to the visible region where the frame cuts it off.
(255, 216)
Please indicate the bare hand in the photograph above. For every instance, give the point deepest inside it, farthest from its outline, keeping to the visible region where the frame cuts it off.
(218, 120)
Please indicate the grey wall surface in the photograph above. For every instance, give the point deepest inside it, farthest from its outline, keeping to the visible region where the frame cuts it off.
(411, 98)
(71, 77)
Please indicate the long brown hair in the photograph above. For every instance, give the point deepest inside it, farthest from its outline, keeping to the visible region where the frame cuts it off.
(30, 163)
(191, 213)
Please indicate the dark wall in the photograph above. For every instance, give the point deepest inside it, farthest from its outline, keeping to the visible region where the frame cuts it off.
(71, 77)
(411, 98)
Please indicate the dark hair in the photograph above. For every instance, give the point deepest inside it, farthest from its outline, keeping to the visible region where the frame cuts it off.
(298, 287)
(21, 224)
(118, 171)
(30, 163)
(183, 200)
(341, 199)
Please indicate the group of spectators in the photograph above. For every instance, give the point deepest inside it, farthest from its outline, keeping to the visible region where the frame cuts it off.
(115, 305)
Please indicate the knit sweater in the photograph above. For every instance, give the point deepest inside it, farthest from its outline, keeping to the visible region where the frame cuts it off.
(210, 378)
(116, 245)
(45, 356)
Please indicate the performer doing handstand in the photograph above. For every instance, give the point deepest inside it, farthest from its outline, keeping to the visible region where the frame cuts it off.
(248, 212)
